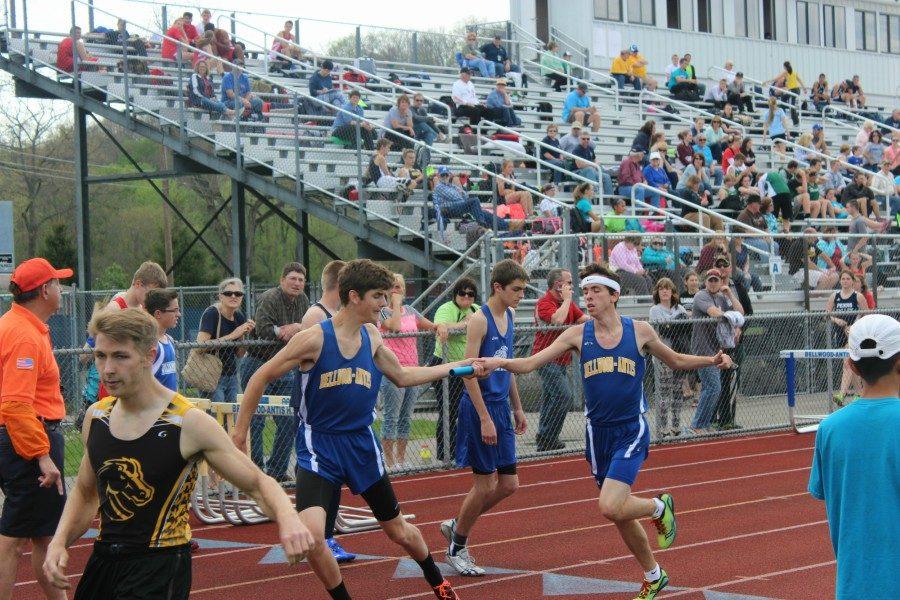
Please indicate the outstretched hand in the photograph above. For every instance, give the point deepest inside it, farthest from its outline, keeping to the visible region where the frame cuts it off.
(723, 361)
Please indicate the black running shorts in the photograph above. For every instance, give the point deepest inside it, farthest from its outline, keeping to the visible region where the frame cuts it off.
(136, 573)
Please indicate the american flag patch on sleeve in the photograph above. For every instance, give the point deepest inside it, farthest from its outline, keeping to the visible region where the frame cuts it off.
(26, 364)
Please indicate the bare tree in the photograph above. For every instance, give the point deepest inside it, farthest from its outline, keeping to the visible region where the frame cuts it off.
(35, 154)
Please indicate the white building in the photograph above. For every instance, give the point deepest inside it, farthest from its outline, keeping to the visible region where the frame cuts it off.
(839, 38)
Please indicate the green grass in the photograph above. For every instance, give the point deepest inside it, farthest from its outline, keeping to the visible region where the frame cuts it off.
(420, 429)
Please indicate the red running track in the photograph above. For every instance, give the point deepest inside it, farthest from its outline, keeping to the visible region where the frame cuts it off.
(747, 529)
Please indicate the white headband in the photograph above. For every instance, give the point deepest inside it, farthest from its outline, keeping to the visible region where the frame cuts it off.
(600, 280)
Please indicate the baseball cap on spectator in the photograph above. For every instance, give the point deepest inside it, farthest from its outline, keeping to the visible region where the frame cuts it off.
(655, 154)
(327, 64)
(582, 86)
(636, 152)
(817, 127)
(443, 170)
(35, 272)
(567, 53)
(713, 273)
(874, 336)
(633, 48)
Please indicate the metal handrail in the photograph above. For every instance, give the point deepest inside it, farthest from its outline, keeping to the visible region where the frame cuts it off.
(561, 36)
(853, 115)
(762, 96)
(573, 81)
(829, 159)
(605, 76)
(697, 109)
(354, 85)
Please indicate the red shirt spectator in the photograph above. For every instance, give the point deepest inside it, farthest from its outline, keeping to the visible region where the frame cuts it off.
(630, 172)
(191, 32)
(169, 47)
(547, 306)
(65, 60)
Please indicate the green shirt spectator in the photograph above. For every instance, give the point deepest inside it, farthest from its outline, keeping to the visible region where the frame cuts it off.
(450, 314)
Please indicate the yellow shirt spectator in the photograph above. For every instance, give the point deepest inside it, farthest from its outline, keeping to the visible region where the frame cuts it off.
(620, 66)
(637, 64)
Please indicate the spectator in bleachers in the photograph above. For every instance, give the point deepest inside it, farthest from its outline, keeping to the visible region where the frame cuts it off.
(715, 246)
(409, 170)
(712, 168)
(850, 92)
(470, 56)
(201, 94)
(496, 53)
(236, 93)
(638, 66)
(571, 140)
(225, 49)
(885, 189)
(548, 209)
(789, 80)
(775, 123)
(716, 136)
(859, 190)
(671, 67)
(684, 151)
(863, 136)
(861, 225)
(423, 123)
(581, 198)
(754, 221)
(549, 155)
(174, 34)
(642, 139)
(224, 321)
(553, 68)
(321, 86)
(500, 107)
(621, 71)
(655, 176)
(819, 143)
(463, 95)
(692, 193)
(587, 165)
(680, 85)
(692, 73)
(451, 200)
(717, 94)
(187, 24)
(631, 174)
(658, 144)
(697, 167)
(658, 260)
(737, 167)
(819, 93)
(344, 126)
(698, 126)
(733, 149)
(738, 95)
(670, 397)
(893, 120)
(728, 71)
(874, 151)
(283, 43)
(399, 119)
(65, 59)
(205, 19)
(509, 193)
(833, 178)
(742, 261)
(617, 222)
(749, 154)
(856, 157)
(379, 172)
(892, 155)
(206, 53)
(578, 109)
(625, 258)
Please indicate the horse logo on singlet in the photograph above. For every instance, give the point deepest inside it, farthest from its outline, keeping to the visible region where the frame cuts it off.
(126, 489)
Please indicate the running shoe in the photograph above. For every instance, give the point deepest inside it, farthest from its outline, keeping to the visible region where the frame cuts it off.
(340, 555)
(444, 591)
(651, 588)
(666, 527)
(465, 564)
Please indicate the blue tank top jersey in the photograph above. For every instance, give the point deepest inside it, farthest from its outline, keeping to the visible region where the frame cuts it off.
(340, 393)
(495, 387)
(165, 367)
(613, 379)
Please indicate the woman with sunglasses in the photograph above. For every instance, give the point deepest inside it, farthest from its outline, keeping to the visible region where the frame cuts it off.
(224, 321)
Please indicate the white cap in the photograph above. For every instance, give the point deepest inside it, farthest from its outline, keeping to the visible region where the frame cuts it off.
(883, 330)
(654, 154)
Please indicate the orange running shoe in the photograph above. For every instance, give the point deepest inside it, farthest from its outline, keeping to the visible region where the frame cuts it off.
(444, 591)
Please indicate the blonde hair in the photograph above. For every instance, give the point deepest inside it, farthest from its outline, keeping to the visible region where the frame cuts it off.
(150, 273)
(130, 324)
(330, 274)
(805, 140)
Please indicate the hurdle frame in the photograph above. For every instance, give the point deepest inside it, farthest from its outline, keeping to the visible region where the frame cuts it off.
(790, 357)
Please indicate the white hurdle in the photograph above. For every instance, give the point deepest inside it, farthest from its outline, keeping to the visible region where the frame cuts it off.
(215, 501)
(804, 423)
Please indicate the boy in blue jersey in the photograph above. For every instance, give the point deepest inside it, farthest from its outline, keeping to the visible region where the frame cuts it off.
(612, 353)
(855, 465)
(335, 440)
(485, 437)
(162, 304)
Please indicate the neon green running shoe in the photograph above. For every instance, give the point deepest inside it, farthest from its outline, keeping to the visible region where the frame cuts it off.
(666, 527)
(651, 588)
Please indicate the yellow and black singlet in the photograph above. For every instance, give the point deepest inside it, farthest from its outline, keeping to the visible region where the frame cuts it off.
(145, 484)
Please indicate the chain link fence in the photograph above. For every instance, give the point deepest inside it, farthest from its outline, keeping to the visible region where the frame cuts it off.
(418, 427)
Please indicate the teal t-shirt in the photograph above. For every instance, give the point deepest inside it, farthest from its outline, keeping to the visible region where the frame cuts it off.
(856, 471)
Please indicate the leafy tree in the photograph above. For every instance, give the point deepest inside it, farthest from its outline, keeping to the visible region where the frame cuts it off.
(196, 267)
(434, 47)
(58, 247)
(113, 277)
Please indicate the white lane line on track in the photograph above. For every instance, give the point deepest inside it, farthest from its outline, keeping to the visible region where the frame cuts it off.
(745, 579)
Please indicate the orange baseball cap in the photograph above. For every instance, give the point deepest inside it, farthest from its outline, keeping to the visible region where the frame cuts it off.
(35, 272)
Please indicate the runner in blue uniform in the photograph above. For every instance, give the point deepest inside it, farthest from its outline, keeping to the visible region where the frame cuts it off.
(485, 436)
(162, 304)
(343, 359)
(612, 352)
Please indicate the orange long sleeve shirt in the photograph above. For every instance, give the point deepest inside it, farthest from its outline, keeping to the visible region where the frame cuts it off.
(29, 381)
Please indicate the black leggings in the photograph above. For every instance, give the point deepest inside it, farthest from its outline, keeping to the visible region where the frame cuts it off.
(313, 490)
(557, 81)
